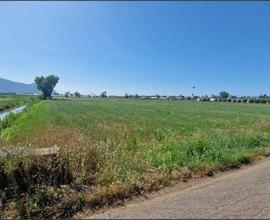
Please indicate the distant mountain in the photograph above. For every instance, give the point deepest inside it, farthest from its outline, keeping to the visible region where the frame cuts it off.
(7, 86)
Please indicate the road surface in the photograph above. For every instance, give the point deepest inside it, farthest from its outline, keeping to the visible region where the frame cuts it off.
(240, 194)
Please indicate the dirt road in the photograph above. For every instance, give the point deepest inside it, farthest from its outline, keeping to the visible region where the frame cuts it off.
(240, 194)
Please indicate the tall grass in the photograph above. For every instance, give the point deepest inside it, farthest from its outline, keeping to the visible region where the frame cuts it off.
(111, 149)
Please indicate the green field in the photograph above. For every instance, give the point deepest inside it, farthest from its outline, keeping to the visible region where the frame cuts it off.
(8, 101)
(119, 147)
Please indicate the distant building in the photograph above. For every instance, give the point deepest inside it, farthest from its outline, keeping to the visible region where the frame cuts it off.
(163, 97)
(181, 97)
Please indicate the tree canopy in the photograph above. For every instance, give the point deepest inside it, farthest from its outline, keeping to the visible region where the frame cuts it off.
(46, 84)
(77, 94)
(104, 94)
(224, 94)
(67, 94)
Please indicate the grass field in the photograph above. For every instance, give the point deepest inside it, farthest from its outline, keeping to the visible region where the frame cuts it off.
(122, 147)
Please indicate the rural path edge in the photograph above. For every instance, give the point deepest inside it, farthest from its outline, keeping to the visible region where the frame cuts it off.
(242, 194)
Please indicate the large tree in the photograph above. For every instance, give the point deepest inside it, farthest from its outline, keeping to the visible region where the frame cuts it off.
(46, 85)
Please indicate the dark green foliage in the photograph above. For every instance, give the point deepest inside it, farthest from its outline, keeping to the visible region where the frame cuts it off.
(263, 101)
(104, 94)
(46, 84)
(77, 94)
(224, 94)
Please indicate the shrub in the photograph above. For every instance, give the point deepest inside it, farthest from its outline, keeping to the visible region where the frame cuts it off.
(263, 101)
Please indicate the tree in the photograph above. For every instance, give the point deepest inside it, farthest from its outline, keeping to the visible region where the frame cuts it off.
(224, 94)
(46, 85)
(67, 94)
(263, 96)
(104, 94)
(77, 94)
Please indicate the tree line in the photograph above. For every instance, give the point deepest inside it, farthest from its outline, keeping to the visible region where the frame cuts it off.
(47, 84)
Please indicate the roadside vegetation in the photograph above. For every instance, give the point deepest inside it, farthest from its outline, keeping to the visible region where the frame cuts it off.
(8, 101)
(111, 149)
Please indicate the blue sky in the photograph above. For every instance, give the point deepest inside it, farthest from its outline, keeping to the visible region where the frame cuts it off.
(139, 47)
